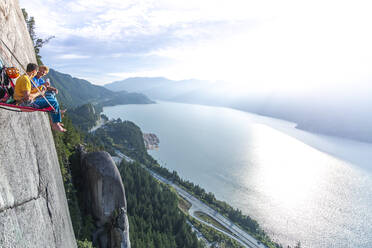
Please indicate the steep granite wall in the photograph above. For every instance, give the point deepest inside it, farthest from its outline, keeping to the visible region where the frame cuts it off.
(33, 206)
(13, 32)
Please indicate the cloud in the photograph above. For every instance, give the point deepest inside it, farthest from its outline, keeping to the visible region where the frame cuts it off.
(285, 44)
(73, 56)
(115, 19)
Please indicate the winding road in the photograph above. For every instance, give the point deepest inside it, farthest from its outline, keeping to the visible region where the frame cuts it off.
(239, 235)
(236, 232)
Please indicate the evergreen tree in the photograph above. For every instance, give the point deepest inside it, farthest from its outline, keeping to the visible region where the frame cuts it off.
(155, 220)
(36, 41)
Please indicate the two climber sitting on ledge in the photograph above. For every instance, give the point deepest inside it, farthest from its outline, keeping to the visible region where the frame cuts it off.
(25, 95)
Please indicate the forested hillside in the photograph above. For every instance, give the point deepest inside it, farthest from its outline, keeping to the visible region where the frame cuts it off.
(85, 116)
(74, 92)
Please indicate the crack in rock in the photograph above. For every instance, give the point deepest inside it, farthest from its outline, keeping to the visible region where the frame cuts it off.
(20, 204)
(50, 214)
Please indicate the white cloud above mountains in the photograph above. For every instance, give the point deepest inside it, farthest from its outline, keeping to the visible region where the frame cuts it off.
(271, 44)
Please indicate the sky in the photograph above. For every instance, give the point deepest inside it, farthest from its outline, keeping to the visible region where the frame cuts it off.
(262, 45)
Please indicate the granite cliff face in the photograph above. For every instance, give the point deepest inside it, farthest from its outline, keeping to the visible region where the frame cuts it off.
(13, 32)
(33, 206)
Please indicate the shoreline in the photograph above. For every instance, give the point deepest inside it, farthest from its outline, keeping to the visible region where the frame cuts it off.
(325, 143)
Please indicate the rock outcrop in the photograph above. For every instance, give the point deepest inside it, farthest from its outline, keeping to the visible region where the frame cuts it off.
(104, 198)
(33, 206)
(151, 141)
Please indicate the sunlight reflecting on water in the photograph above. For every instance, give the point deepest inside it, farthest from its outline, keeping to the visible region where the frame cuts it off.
(288, 184)
(293, 190)
(293, 186)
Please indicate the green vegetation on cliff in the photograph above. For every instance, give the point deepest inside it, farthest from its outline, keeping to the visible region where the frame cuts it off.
(124, 136)
(65, 144)
(85, 116)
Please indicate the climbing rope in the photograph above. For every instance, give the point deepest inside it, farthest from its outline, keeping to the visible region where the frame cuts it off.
(32, 81)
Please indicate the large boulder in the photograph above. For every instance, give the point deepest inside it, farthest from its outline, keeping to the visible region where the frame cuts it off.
(104, 199)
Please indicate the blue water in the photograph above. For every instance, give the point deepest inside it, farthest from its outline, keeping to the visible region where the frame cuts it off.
(299, 186)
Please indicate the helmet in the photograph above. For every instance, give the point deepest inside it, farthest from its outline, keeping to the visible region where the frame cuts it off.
(12, 72)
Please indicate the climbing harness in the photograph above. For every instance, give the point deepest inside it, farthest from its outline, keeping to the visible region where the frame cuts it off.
(12, 72)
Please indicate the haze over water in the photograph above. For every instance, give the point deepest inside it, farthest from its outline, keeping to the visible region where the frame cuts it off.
(294, 191)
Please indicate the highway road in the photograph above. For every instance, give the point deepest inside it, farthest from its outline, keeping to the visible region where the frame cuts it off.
(238, 234)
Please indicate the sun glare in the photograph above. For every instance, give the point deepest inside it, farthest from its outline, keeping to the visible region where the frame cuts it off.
(289, 184)
(285, 51)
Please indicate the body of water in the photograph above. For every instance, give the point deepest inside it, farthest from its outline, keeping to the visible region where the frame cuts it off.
(299, 186)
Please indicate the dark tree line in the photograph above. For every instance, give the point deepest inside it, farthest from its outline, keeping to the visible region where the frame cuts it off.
(36, 41)
(222, 207)
(155, 220)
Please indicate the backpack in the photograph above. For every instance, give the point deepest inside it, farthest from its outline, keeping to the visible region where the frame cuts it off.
(7, 74)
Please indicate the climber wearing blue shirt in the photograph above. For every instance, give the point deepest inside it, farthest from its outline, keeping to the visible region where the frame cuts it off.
(50, 96)
(39, 81)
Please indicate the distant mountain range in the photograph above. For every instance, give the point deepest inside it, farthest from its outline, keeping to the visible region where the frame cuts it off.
(344, 112)
(74, 92)
(159, 87)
